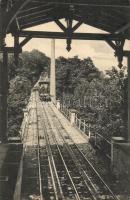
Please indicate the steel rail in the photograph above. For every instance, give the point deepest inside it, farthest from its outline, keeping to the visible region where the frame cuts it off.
(68, 147)
(38, 153)
(55, 179)
(82, 172)
(63, 161)
(99, 176)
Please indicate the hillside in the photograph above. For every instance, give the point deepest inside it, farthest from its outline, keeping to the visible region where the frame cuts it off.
(101, 99)
(22, 79)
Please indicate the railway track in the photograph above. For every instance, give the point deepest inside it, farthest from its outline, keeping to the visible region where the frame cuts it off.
(70, 183)
(96, 185)
(30, 180)
(62, 170)
(78, 183)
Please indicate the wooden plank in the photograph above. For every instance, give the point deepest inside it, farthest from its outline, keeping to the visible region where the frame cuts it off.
(36, 23)
(12, 13)
(60, 25)
(92, 3)
(34, 14)
(27, 39)
(128, 63)
(78, 36)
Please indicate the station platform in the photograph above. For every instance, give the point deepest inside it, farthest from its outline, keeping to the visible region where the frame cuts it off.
(10, 157)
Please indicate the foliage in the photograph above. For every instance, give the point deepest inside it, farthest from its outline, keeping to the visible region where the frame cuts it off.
(22, 79)
(101, 99)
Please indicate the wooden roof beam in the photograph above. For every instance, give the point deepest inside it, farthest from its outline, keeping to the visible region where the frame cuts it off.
(36, 23)
(12, 13)
(87, 21)
(25, 41)
(63, 28)
(77, 26)
(111, 44)
(123, 28)
(40, 10)
(30, 8)
(78, 36)
(11, 50)
(90, 3)
(33, 19)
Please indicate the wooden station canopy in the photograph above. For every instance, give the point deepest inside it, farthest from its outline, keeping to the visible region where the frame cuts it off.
(109, 15)
(112, 16)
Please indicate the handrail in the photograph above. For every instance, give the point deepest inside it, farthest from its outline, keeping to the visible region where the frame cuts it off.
(82, 125)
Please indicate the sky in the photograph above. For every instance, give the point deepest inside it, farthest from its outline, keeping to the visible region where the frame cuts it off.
(100, 52)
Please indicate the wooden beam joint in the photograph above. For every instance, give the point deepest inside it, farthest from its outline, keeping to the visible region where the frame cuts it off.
(69, 30)
(118, 48)
(25, 41)
(11, 50)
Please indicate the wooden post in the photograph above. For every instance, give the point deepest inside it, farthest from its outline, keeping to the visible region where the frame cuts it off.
(58, 105)
(72, 116)
(76, 119)
(128, 60)
(84, 127)
(89, 132)
(79, 123)
(16, 50)
(3, 95)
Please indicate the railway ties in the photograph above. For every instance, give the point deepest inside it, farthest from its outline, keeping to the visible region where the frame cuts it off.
(30, 181)
(70, 186)
(96, 185)
(72, 183)
(60, 169)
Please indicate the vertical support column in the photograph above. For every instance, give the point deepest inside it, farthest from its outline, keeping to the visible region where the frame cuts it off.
(84, 126)
(58, 104)
(3, 80)
(3, 95)
(52, 73)
(79, 123)
(72, 116)
(89, 132)
(16, 49)
(128, 60)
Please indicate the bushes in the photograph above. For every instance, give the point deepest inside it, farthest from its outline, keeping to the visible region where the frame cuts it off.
(100, 98)
(22, 79)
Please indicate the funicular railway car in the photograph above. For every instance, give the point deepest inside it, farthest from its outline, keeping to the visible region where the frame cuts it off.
(45, 97)
(44, 87)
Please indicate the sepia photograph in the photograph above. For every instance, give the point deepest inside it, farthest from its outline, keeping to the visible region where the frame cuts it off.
(64, 99)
